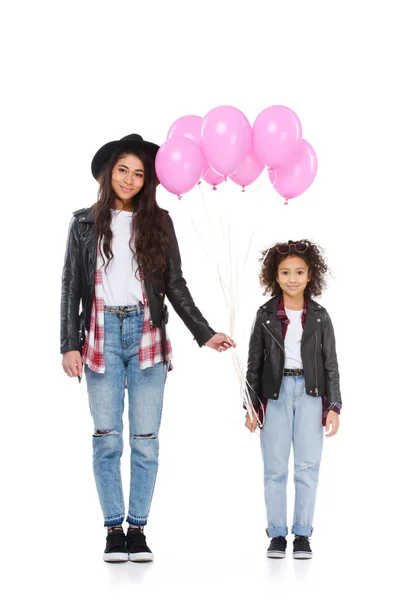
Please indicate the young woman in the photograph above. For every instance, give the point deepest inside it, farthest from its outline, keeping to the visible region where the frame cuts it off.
(293, 383)
(122, 260)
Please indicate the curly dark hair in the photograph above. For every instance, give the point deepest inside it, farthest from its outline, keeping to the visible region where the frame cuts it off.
(271, 258)
(149, 228)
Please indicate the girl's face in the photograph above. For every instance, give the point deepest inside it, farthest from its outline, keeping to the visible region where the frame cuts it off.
(127, 178)
(293, 276)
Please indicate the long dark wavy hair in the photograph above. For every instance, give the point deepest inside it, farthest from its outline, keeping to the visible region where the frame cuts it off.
(271, 259)
(149, 240)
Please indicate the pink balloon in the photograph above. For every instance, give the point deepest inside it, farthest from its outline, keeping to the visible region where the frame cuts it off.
(277, 135)
(294, 178)
(226, 138)
(248, 170)
(188, 127)
(179, 165)
(206, 168)
(213, 178)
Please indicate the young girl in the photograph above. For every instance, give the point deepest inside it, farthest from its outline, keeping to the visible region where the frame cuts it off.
(122, 259)
(293, 384)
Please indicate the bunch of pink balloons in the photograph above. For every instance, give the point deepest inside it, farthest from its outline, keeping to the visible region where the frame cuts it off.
(223, 145)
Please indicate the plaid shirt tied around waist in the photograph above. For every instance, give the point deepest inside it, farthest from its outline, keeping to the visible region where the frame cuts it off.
(150, 349)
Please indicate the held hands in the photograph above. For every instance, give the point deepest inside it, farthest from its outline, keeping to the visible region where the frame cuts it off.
(332, 423)
(220, 342)
(72, 363)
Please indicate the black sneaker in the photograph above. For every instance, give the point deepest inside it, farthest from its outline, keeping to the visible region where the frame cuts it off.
(301, 547)
(277, 547)
(137, 547)
(116, 546)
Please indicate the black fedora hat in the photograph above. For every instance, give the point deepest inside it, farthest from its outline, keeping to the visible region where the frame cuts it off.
(129, 143)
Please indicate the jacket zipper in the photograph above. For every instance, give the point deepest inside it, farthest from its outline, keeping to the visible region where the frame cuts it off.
(315, 364)
(274, 338)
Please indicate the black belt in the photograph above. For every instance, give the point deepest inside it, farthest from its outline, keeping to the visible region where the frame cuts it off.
(293, 372)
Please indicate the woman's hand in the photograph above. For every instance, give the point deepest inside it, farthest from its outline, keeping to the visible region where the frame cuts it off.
(72, 363)
(332, 423)
(220, 342)
(251, 426)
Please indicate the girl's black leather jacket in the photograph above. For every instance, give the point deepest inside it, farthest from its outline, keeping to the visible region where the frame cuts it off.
(266, 357)
(78, 286)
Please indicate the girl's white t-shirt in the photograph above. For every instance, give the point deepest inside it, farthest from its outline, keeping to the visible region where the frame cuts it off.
(293, 337)
(121, 283)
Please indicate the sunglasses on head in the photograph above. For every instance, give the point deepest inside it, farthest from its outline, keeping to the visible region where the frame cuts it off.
(297, 246)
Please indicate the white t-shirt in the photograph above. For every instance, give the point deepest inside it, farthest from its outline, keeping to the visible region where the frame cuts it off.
(293, 337)
(120, 282)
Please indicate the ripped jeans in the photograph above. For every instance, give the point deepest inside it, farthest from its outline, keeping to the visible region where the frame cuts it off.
(294, 417)
(122, 336)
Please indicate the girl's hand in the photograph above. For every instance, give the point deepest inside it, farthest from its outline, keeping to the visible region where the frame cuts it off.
(251, 426)
(72, 363)
(332, 423)
(220, 342)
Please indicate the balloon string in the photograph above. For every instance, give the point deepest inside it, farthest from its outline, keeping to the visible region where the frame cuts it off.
(230, 290)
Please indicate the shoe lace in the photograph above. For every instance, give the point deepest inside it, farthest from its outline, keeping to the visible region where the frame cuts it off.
(116, 539)
(138, 538)
(302, 540)
(280, 541)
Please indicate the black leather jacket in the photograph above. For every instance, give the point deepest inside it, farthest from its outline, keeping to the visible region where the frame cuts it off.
(78, 286)
(266, 358)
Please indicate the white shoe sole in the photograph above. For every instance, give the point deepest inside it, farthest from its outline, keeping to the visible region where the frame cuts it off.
(141, 557)
(275, 554)
(115, 556)
(302, 555)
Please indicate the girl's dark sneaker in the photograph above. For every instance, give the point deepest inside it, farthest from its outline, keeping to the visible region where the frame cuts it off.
(116, 546)
(301, 547)
(137, 548)
(277, 548)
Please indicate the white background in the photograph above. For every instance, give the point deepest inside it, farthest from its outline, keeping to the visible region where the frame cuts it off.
(79, 74)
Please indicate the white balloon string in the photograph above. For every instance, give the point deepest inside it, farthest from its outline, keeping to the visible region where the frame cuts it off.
(231, 278)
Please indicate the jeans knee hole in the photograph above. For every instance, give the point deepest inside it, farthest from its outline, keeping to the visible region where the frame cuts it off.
(101, 432)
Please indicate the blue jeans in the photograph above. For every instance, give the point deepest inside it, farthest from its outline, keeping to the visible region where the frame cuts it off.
(294, 417)
(106, 398)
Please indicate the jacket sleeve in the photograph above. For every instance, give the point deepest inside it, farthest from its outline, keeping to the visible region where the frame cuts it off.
(331, 367)
(71, 291)
(178, 294)
(255, 362)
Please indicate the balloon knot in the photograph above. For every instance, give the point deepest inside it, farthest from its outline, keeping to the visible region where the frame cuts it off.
(286, 201)
(214, 187)
(243, 190)
(179, 197)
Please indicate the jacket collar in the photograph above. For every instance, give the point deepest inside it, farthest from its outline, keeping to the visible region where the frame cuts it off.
(273, 304)
(276, 314)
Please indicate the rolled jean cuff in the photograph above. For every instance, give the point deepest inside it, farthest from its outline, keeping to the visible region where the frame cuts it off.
(140, 521)
(113, 521)
(302, 530)
(273, 532)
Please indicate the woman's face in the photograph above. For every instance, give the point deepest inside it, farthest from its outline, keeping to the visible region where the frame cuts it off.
(293, 276)
(127, 178)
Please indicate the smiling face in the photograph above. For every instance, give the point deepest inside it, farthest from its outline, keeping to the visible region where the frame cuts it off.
(127, 179)
(293, 276)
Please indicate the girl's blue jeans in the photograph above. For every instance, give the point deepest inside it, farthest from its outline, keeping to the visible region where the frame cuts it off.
(294, 418)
